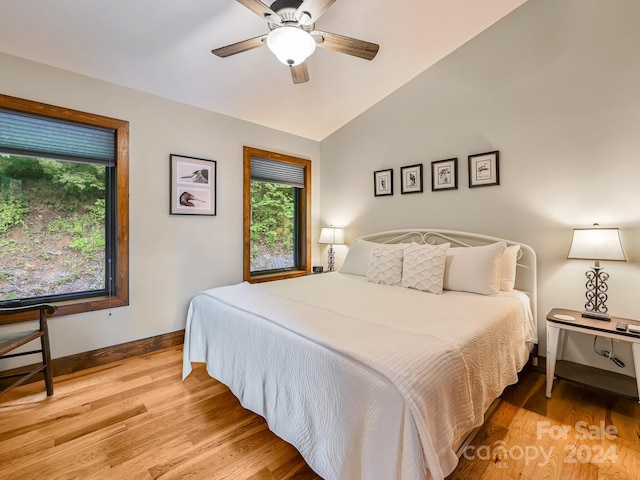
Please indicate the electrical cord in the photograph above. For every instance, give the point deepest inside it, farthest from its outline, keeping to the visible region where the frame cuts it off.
(605, 353)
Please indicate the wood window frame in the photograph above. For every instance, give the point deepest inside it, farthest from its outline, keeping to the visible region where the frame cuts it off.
(303, 220)
(121, 296)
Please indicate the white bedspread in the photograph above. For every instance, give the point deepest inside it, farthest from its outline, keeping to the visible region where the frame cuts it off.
(367, 381)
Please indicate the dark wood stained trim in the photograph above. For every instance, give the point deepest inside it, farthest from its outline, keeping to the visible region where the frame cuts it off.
(304, 216)
(121, 296)
(102, 356)
(270, 277)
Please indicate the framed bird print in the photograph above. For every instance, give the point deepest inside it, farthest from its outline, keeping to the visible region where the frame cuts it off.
(444, 174)
(193, 186)
(484, 169)
(383, 182)
(411, 179)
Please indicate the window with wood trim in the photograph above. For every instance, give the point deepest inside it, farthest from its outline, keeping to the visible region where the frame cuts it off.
(64, 208)
(277, 212)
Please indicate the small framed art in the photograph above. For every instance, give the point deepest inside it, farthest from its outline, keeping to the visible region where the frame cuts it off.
(411, 179)
(484, 169)
(444, 174)
(383, 182)
(193, 186)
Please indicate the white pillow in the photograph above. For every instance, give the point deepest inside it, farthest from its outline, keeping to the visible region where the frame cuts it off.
(357, 259)
(385, 265)
(508, 268)
(474, 269)
(423, 267)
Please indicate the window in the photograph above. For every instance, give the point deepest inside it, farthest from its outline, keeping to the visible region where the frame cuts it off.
(277, 209)
(63, 207)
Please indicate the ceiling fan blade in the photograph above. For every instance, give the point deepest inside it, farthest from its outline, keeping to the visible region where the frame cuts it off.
(347, 45)
(240, 47)
(300, 73)
(310, 10)
(260, 9)
(257, 7)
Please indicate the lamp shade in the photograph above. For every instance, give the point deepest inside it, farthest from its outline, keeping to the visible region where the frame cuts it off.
(332, 235)
(291, 45)
(597, 244)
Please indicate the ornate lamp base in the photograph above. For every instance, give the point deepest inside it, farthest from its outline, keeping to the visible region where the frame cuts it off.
(596, 295)
(331, 259)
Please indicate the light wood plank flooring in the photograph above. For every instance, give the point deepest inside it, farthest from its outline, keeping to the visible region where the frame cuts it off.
(578, 434)
(136, 419)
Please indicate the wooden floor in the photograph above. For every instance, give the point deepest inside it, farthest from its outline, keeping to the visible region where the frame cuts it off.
(136, 419)
(578, 434)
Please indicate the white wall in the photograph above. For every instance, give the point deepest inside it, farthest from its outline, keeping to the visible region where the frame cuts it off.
(171, 257)
(555, 87)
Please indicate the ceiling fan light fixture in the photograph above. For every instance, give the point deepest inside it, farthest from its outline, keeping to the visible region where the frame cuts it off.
(291, 45)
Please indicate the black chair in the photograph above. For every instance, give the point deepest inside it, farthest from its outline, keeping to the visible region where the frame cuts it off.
(11, 341)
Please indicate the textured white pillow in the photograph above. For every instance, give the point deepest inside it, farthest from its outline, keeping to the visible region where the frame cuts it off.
(423, 267)
(357, 259)
(385, 265)
(474, 269)
(508, 268)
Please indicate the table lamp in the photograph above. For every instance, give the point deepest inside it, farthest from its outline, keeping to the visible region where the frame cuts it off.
(333, 236)
(596, 244)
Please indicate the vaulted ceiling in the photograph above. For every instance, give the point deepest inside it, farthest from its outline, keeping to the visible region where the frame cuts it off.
(163, 47)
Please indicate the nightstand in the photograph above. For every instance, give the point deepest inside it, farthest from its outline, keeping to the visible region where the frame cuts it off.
(558, 322)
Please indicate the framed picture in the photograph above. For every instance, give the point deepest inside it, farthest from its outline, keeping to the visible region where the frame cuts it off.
(411, 179)
(484, 169)
(444, 174)
(383, 182)
(193, 186)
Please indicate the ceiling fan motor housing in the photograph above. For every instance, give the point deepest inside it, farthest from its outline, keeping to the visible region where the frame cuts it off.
(285, 4)
(286, 10)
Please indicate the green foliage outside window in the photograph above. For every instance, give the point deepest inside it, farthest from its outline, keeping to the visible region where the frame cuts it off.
(272, 226)
(52, 214)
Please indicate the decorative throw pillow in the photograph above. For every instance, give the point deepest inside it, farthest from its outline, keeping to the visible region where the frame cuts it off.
(508, 268)
(385, 264)
(423, 267)
(474, 269)
(357, 259)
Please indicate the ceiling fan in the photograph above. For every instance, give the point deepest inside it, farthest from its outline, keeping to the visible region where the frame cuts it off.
(293, 37)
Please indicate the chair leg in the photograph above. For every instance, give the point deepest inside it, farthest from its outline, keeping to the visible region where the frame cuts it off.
(9, 342)
(46, 359)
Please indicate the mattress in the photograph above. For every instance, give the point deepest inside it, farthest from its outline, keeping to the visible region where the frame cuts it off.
(367, 381)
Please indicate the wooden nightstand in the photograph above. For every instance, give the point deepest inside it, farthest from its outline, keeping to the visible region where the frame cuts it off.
(597, 378)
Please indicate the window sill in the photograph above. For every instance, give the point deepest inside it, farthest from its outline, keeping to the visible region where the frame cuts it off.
(71, 307)
(269, 277)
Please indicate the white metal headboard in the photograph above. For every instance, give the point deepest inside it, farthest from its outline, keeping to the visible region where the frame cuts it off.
(526, 271)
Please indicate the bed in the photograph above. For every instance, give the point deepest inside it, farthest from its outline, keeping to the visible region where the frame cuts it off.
(382, 369)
